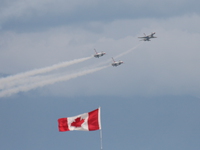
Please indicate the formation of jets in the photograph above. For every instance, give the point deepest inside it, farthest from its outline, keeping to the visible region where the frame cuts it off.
(148, 37)
(115, 63)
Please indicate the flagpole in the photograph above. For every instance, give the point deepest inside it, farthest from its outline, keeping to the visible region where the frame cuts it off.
(100, 131)
(101, 139)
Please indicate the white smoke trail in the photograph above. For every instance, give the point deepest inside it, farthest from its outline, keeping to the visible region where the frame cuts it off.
(53, 80)
(7, 81)
(27, 80)
(128, 51)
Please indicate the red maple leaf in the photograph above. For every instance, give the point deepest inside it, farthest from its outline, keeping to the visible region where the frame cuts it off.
(77, 122)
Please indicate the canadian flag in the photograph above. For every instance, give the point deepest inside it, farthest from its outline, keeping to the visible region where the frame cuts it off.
(85, 122)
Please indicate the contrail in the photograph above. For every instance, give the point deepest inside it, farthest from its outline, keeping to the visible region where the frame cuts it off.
(128, 51)
(31, 86)
(7, 81)
(25, 81)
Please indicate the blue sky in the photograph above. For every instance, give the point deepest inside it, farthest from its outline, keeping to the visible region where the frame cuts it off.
(150, 102)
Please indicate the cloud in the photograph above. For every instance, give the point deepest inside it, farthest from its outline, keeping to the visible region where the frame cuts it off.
(37, 15)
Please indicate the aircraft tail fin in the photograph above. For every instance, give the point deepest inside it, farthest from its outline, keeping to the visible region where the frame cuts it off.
(113, 59)
(95, 50)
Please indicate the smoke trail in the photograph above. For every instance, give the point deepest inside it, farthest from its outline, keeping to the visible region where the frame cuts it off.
(27, 80)
(128, 51)
(28, 87)
(7, 81)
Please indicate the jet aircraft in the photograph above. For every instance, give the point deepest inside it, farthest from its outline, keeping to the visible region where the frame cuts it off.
(148, 37)
(97, 55)
(115, 64)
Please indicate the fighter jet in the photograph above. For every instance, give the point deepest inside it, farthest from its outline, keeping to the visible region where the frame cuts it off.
(148, 37)
(115, 64)
(97, 55)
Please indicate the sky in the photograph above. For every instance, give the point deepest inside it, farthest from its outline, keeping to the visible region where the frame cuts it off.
(47, 71)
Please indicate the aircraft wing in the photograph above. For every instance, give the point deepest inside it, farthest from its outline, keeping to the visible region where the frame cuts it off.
(143, 37)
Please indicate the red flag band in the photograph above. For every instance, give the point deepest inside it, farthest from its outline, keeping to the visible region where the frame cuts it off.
(85, 122)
